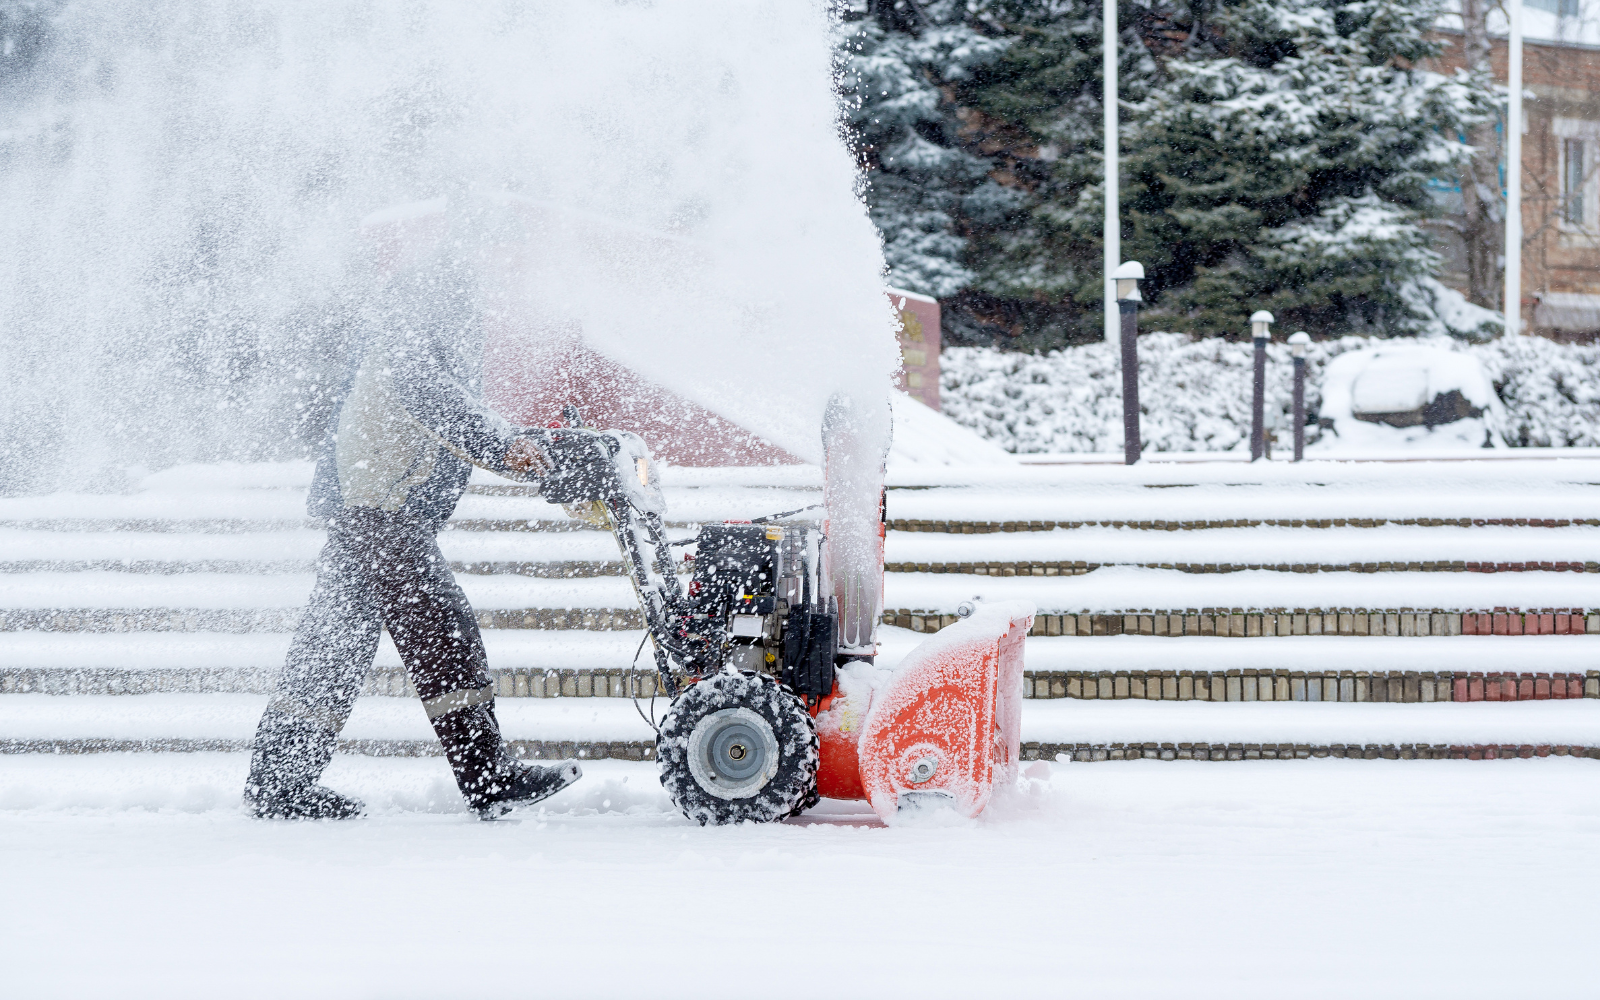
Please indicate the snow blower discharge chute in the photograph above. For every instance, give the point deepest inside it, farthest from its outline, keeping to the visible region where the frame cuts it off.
(769, 713)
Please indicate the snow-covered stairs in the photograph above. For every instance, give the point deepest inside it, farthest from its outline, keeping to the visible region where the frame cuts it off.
(189, 589)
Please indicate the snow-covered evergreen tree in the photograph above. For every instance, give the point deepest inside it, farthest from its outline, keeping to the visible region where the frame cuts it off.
(1287, 169)
(897, 59)
(1275, 153)
(1040, 102)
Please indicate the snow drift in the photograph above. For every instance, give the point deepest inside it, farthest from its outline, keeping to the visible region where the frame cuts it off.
(1195, 394)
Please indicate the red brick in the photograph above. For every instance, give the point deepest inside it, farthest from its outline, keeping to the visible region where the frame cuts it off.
(1525, 688)
(1469, 624)
(1478, 753)
(1541, 688)
(1564, 625)
(1502, 625)
(1524, 752)
(1558, 685)
(1474, 689)
(1543, 750)
(1491, 688)
(1547, 625)
(1574, 685)
(1460, 692)
(1458, 753)
(1508, 688)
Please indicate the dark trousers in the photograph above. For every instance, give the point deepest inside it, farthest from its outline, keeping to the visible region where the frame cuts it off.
(381, 570)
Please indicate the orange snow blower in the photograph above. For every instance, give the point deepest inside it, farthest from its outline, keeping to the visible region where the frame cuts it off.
(777, 699)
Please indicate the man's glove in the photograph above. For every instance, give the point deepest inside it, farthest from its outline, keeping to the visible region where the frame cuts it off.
(527, 458)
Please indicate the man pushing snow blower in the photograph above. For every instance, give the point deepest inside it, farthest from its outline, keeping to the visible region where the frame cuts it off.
(397, 456)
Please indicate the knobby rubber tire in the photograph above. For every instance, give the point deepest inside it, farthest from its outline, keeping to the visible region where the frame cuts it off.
(792, 789)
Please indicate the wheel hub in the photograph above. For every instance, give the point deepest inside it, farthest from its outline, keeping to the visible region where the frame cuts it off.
(733, 753)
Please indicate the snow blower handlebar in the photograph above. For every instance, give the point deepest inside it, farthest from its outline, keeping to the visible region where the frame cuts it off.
(755, 599)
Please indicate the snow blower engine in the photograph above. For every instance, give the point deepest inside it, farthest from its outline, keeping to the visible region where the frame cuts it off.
(769, 710)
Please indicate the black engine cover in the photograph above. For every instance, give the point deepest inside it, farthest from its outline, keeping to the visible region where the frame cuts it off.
(809, 640)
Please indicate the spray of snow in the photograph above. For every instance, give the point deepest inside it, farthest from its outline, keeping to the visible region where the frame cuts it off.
(180, 238)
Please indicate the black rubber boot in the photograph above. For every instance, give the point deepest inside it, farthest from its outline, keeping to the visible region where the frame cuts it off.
(287, 760)
(491, 781)
(524, 784)
(300, 802)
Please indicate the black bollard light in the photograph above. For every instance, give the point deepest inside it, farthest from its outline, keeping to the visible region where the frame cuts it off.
(1298, 342)
(1128, 275)
(1260, 332)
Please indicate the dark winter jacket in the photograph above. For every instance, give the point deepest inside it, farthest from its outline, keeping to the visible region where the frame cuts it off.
(412, 421)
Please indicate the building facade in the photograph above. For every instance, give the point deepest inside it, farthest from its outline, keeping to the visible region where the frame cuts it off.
(1560, 186)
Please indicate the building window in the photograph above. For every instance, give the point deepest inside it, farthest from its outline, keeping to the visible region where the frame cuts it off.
(1572, 181)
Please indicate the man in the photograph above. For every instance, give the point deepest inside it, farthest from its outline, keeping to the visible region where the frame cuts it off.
(401, 446)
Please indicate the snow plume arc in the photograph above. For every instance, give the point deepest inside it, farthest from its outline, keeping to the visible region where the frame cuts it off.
(183, 182)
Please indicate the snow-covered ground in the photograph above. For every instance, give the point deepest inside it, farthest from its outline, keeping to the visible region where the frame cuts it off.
(136, 876)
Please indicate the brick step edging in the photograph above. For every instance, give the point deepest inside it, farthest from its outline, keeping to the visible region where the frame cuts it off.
(509, 682)
(1078, 568)
(1245, 684)
(570, 569)
(958, 527)
(1030, 751)
(1239, 623)
(241, 620)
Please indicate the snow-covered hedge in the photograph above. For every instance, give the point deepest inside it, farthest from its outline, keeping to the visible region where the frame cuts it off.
(1195, 394)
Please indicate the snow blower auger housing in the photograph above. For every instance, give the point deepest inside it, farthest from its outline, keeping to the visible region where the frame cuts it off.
(751, 652)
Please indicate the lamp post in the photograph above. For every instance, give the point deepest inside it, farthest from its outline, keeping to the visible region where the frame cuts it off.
(1260, 332)
(1298, 342)
(1111, 229)
(1127, 276)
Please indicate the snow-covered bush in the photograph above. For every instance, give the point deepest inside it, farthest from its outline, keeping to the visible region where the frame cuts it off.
(1194, 394)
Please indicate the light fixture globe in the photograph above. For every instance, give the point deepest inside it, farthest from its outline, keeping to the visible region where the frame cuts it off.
(1128, 275)
(1260, 322)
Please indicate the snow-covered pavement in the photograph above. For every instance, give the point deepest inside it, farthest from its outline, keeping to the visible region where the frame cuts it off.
(136, 876)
